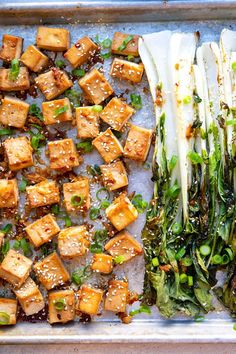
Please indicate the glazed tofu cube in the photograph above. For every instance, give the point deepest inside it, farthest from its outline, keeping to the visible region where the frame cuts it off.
(114, 175)
(19, 153)
(8, 307)
(126, 70)
(43, 193)
(15, 268)
(89, 299)
(76, 195)
(42, 230)
(29, 297)
(138, 143)
(121, 212)
(95, 86)
(21, 83)
(9, 193)
(34, 59)
(73, 241)
(11, 47)
(116, 296)
(108, 146)
(51, 271)
(63, 155)
(124, 245)
(116, 113)
(118, 46)
(51, 111)
(13, 112)
(87, 123)
(83, 50)
(54, 39)
(102, 263)
(53, 83)
(61, 305)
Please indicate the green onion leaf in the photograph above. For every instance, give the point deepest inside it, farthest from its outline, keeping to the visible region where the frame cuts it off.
(104, 204)
(97, 108)
(225, 259)
(4, 318)
(216, 259)
(77, 200)
(190, 280)
(173, 162)
(80, 275)
(16, 245)
(194, 157)
(183, 278)
(106, 55)
(231, 122)
(230, 253)
(142, 309)
(177, 228)
(5, 247)
(55, 209)
(199, 318)
(60, 64)
(78, 72)
(173, 191)
(96, 247)
(130, 57)
(94, 213)
(74, 97)
(125, 42)
(25, 246)
(196, 98)
(94, 170)
(23, 184)
(60, 304)
(181, 252)
(187, 261)
(139, 203)
(68, 221)
(36, 141)
(106, 43)
(205, 250)
(7, 228)
(136, 101)
(35, 111)
(60, 110)
(187, 99)
(107, 194)
(15, 70)
(119, 259)
(6, 131)
(155, 262)
(85, 146)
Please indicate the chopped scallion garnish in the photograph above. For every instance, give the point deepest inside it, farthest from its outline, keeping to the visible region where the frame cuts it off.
(125, 42)
(94, 213)
(187, 99)
(35, 111)
(77, 200)
(233, 66)
(85, 146)
(14, 70)
(101, 190)
(60, 304)
(60, 110)
(60, 64)
(7, 228)
(139, 203)
(136, 101)
(119, 259)
(97, 108)
(4, 318)
(6, 131)
(68, 221)
(205, 250)
(78, 72)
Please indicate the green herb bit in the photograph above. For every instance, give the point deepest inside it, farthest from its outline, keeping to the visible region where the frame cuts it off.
(173, 162)
(190, 280)
(16, 245)
(194, 157)
(55, 209)
(173, 191)
(205, 250)
(26, 248)
(35, 111)
(4, 318)
(7, 228)
(142, 309)
(60, 64)
(36, 141)
(177, 228)
(130, 57)
(187, 100)
(104, 204)
(119, 259)
(181, 252)
(23, 184)
(78, 72)
(5, 247)
(97, 108)
(136, 101)
(233, 66)
(155, 262)
(96, 247)
(60, 304)
(196, 98)
(101, 190)
(77, 200)
(74, 97)
(187, 261)
(216, 259)
(105, 55)
(85, 146)
(94, 170)
(94, 213)
(231, 122)
(106, 43)
(230, 253)
(80, 275)
(225, 259)
(183, 278)
(60, 110)
(14, 70)
(6, 131)
(139, 203)
(68, 221)
(125, 43)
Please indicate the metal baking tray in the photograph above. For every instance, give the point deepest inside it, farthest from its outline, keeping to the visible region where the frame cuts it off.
(105, 17)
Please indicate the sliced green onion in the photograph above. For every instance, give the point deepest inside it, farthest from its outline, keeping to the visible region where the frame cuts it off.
(60, 64)
(106, 43)
(97, 108)
(77, 200)
(23, 184)
(15, 70)
(86, 146)
(6, 131)
(190, 280)
(55, 209)
(60, 304)
(199, 318)
(7, 228)
(180, 253)
(105, 55)
(78, 72)
(173, 191)
(119, 259)
(225, 259)
(74, 97)
(16, 245)
(231, 122)
(155, 262)
(187, 261)
(68, 221)
(142, 309)
(100, 191)
(60, 110)
(25, 246)
(194, 157)
(4, 318)
(230, 253)
(94, 213)
(104, 204)
(80, 275)
(125, 42)
(6, 247)
(173, 162)
(187, 99)
(196, 98)
(205, 250)
(233, 66)
(36, 139)
(94, 170)
(130, 57)
(96, 247)
(177, 228)
(139, 203)
(183, 278)
(35, 111)
(136, 101)
(216, 259)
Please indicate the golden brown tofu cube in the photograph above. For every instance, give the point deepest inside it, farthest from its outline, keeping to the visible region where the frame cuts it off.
(73, 241)
(21, 83)
(15, 268)
(126, 70)
(13, 112)
(102, 263)
(8, 307)
(61, 306)
(124, 245)
(116, 113)
(51, 271)
(95, 86)
(87, 123)
(108, 146)
(42, 230)
(9, 193)
(114, 175)
(89, 299)
(54, 39)
(76, 195)
(53, 83)
(29, 297)
(51, 111)
(138, 143)
(63, 155)
(116, 296)
(121, 212)
(83, 50)
(11, 47)
(19, 153)
(34, 59)
(43, 193)
(131, 48)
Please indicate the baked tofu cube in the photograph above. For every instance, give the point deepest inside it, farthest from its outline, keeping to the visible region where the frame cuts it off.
(95, 86)
(121, 212)
(51, 271)
(15, 268)
(34, 59)
(131, 48)
(83, 50)
(51, 111)
(13, 112)
(138, 143)
(42, 230)
(43, 193)
(73, 241)
(8, 307)
(124, 245)
(108, 146)
(116, 296)
(114, 175)
(29, 297)
(89, 299)
(126, 70)
(21, 83)
(61, 305)
(53, 83)
(11, 47)
(102, 263)
(19, 153)
(54, 39)
(9, 193)
(76, 195)
(87, 123)
(116, 113)
(63, 155)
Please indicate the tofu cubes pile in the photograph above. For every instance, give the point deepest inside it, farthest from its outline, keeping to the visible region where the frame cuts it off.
(99, 120)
